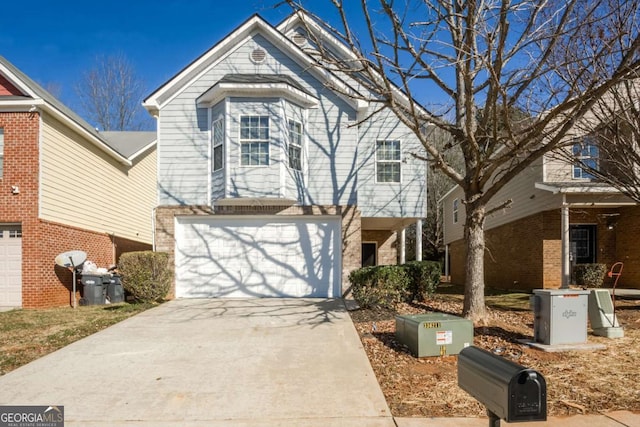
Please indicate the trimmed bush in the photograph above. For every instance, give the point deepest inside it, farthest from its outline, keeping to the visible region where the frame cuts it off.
(380, 286)
(590, 275)
(387, 285)
(425, 278)
(146, 275)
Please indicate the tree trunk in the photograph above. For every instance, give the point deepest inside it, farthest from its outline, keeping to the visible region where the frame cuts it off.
(474, 306)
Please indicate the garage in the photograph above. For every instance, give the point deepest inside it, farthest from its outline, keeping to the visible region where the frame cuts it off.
(267, 256)
(10, 265)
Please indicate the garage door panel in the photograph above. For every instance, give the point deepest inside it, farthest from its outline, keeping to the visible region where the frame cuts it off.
(257, 257)
(10, 266)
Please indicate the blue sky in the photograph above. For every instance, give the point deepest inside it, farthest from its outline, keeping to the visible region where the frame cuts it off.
(54, 42)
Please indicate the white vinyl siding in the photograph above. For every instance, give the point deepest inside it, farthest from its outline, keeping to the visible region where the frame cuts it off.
(254, 141)
(388, 161)
(83, 187)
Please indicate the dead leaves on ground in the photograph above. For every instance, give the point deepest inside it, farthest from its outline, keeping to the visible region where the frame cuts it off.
(577, 382)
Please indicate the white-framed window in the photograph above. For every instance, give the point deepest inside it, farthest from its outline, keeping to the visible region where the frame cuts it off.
(295, 145)
(586, 152)
(1, 152)
(456, 207)
(254, 140)
(388, 161)
(217, 135)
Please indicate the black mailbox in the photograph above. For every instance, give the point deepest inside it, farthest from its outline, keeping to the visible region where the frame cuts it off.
(509, 391)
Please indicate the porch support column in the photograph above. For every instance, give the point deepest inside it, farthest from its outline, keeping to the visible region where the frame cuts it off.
(403, 242)
(564, 224)
(446, 261)
(419, 240)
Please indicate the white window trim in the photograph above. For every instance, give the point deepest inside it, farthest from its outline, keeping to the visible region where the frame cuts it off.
(298, 145)
(214, 145)
(576, 166)
(455, 209)
(399, 161)
(241, 141)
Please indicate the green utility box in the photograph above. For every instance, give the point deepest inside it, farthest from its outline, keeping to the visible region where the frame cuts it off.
(434, 334)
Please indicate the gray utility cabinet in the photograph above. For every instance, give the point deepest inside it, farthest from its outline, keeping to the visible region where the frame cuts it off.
(560, 316)
(434, 334)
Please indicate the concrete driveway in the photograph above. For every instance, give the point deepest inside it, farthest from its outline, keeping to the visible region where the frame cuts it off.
(258, 362)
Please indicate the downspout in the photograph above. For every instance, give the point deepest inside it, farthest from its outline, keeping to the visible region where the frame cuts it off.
(446, 261)
(565, 238)
(419, 240)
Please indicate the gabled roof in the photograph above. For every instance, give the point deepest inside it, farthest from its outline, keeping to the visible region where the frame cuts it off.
(254, 25)
(35, 96)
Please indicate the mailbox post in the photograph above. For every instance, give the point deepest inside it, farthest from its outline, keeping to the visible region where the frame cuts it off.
(509, 391)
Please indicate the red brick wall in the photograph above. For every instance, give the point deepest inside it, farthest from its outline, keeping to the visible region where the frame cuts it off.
(21, 169)
(627, 231)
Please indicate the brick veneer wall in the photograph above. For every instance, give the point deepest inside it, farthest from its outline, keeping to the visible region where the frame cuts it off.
(527, 253)
(351, 229)
(387, 248)
(627, 231)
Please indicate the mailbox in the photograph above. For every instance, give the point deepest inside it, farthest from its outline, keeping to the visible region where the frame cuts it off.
(509, 391)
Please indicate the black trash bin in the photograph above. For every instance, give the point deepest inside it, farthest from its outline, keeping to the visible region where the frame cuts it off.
(115, 291)
(93, 289)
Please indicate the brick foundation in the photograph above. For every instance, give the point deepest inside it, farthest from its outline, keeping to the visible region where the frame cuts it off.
(351, 228)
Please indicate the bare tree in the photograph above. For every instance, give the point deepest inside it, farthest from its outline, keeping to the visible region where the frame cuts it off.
(111, 93)
(485, 59)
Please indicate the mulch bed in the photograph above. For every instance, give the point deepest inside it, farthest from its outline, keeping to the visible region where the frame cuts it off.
(584, 382)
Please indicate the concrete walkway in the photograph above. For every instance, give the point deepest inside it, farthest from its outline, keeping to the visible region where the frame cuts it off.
(261, 362)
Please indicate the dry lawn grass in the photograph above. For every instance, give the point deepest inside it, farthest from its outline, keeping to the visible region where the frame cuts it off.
(577, 382)
(26, 335)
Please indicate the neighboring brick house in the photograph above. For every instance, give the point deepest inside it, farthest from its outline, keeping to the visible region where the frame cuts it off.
(270, 183)
(560, 216)
(64, 186)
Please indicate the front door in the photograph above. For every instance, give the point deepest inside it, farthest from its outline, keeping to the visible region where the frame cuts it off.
(583, 243)
(369, 254)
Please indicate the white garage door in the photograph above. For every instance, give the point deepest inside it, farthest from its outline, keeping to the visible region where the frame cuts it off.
(258, 257)
(10, 266)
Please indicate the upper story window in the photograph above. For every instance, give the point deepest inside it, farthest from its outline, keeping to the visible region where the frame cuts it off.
(218, 144)
(388, 161)
(295, 145)
(456, 206)
(254, 140)
(1, 151)
(587, 155)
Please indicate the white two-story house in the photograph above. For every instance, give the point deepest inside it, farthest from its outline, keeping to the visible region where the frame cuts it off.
(270, 182)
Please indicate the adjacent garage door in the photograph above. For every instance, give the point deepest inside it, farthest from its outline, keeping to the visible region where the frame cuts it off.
(258, 256)
(10, 266)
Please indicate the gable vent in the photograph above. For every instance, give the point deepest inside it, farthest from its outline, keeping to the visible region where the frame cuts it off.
(299, 39)
(258, 55)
